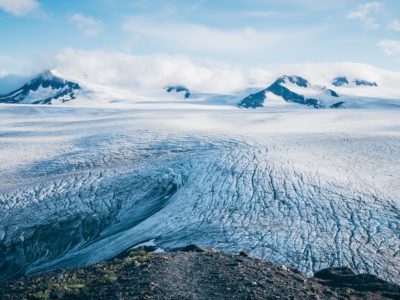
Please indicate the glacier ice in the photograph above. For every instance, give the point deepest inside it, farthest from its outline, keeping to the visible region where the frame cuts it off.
(309, 189)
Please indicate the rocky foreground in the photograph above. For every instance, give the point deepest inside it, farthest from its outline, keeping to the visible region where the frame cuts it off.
(196, 273)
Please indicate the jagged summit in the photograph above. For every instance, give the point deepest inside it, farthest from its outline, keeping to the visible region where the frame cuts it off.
(179, 89)
(297, 80)
(46, 75)
(295, 89)
(340, 81)
(365, 83)
(45, 88)
(344, 81)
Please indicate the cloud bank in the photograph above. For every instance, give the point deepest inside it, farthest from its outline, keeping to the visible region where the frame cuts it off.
(155, 72)
(128, 71)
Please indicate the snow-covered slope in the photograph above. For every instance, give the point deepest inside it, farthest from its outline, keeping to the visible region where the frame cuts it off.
(307, 188)
(45, 88)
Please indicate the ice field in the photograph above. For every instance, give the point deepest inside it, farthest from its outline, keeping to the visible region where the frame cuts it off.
(301, 187)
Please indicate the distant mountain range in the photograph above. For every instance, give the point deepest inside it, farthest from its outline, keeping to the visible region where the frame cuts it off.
(45, 88)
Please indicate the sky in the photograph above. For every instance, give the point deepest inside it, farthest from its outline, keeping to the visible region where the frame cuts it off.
(219, 36)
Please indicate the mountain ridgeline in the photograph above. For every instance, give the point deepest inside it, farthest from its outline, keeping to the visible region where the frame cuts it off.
(47, 88)
(290, 89)
(343, 81)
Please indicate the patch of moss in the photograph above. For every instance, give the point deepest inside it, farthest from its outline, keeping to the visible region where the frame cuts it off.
(71, 286)
(43, 295)
(108, 276)
(80, 282)
(136, 257)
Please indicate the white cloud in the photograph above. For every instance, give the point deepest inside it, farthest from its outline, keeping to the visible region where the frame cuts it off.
(394, 25)
(89, 25)
(18, 7)
(143, 73)
(391, 47)
(151, 72)
(365, 14)
(199, 38)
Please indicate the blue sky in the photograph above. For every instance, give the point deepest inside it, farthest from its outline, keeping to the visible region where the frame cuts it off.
(244, 33)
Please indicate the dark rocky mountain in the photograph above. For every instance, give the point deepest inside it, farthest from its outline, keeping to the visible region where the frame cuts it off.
(365, 83)
(43, 89)
(343, 81)
(340, 81)
(179, 89)
(278, 88)
(254, 100)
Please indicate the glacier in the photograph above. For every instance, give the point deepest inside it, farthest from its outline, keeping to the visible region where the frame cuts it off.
(305, 188)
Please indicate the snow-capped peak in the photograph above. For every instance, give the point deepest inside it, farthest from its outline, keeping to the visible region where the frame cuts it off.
(45, 75)
(297, 80)
(295, 89)
(45, 88)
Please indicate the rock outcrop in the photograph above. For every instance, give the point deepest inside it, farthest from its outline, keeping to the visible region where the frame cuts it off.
(196, 273)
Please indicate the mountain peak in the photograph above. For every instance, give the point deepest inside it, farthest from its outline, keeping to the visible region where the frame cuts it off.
(297, 80)
(46, 75)
(179, 89)
(365, 83)
(43, 89)
(339, 81)
(343, 81)
(316, 96)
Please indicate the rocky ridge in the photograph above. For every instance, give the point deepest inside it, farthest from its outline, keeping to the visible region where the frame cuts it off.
(196, 273)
